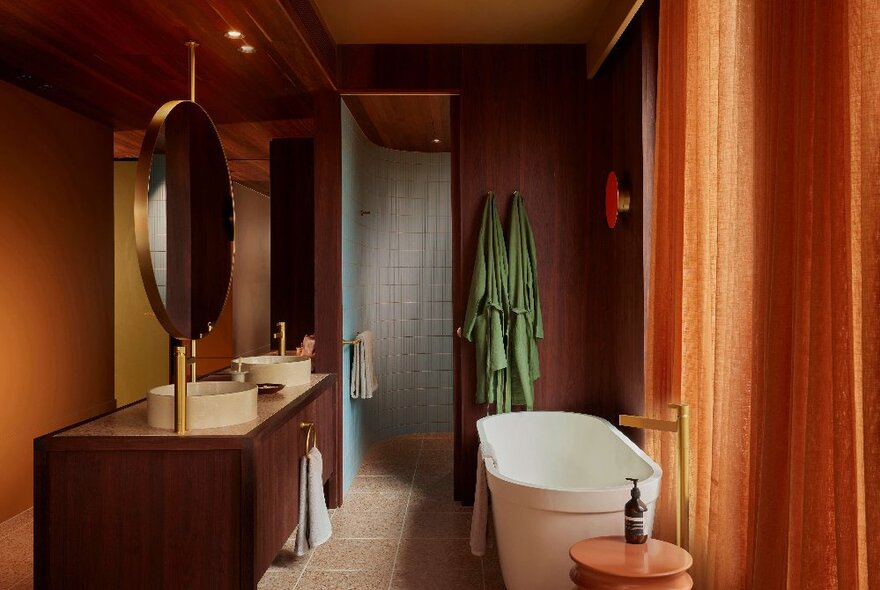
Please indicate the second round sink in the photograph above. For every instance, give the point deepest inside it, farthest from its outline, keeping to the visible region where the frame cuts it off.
(286, 370)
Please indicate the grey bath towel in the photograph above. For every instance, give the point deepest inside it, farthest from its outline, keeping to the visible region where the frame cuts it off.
(314, 526)
(320, 528)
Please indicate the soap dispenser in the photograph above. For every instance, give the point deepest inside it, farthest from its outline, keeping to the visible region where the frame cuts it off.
(634, 516)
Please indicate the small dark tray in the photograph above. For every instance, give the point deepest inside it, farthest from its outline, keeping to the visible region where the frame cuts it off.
(268, 388)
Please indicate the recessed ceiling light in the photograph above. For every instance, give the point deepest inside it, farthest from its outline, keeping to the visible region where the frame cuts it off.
(435, 140)
(234, 35)
(247, 49)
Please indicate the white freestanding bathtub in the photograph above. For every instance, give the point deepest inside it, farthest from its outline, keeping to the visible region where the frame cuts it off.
(556, 478)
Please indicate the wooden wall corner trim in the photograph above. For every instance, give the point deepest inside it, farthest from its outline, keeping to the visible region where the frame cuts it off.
(611, 25)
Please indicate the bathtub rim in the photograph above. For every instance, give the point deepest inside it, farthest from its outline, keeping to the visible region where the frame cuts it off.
(491, 464)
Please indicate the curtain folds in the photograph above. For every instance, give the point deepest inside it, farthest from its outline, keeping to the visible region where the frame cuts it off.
(765, 286)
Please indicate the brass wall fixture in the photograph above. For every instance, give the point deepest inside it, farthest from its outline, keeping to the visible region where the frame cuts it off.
(617, 199)
(311, 436)
(281, 336)
(680, 425)
(352, 342)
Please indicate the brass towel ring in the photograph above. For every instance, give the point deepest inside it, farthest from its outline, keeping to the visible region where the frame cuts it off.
(309, 427)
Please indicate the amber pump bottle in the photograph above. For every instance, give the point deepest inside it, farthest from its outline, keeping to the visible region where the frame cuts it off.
(634, 516)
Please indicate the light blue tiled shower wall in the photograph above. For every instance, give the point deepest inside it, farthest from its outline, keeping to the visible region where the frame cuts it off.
(157, 222)
(396, 277)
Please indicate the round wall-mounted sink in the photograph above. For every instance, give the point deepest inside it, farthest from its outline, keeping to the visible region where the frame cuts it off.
(287, 370)
(209, 404)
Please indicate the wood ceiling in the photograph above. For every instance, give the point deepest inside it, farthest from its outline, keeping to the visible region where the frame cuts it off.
(117, 62)
(403, 122)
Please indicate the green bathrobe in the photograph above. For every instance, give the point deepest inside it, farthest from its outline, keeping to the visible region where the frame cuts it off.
(525, 324)
(485, 321)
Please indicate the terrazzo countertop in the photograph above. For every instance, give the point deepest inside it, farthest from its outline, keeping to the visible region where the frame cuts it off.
(131, 420)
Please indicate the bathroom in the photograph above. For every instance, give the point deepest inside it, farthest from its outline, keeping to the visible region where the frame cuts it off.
(710, 270)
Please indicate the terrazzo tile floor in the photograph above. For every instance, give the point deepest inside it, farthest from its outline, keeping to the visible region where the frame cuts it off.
(398, 529)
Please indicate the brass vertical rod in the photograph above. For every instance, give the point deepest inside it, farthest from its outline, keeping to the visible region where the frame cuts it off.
(192, 69)
(180, 391)
(683, 459)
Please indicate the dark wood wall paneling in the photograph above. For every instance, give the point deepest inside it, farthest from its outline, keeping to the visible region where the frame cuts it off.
(378, 69)
(307, 252)
(523, 126)
(528, 119)
(615, 339)
(328, 256)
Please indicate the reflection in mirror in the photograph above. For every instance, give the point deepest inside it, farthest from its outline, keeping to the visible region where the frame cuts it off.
(157, 222)
(184, 220)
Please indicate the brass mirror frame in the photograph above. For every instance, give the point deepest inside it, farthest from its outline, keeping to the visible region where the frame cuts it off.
(141, 216)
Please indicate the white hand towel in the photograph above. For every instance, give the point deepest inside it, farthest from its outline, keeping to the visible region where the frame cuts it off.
(302, 544)
(480, 515)
(368, 364)
(320, 528)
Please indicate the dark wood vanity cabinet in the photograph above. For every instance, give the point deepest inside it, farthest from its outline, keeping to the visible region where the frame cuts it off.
(116, 509)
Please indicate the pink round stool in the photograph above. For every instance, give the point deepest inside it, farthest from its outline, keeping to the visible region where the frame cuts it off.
(610, 563)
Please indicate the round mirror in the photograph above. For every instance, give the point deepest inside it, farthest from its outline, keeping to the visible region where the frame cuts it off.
(184, 219)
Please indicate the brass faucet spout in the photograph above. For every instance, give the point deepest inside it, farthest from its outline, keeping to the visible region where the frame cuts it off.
(646, 423)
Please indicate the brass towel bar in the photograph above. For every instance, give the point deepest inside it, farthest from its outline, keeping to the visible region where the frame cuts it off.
(355, 341)
(309, 427)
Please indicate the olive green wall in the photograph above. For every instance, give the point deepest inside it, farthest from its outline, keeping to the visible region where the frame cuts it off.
(141, 345)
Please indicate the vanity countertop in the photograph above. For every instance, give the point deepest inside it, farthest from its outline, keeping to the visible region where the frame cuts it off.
(131, 420)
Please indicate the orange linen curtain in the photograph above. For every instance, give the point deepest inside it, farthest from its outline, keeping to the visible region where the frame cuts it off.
(764, 309)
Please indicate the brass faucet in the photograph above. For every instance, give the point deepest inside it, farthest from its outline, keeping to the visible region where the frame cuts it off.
(181, 364)
(281, 335)
(681, 425)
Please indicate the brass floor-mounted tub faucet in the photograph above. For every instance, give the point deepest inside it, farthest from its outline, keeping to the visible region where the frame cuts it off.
(680, 425)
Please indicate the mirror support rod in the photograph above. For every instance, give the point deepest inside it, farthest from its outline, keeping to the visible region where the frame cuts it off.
(192, 69)
(180, 391)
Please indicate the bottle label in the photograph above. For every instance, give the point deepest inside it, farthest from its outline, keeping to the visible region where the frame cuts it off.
(634, 525)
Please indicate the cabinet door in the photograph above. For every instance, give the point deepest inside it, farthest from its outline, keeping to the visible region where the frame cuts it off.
(276, 458)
